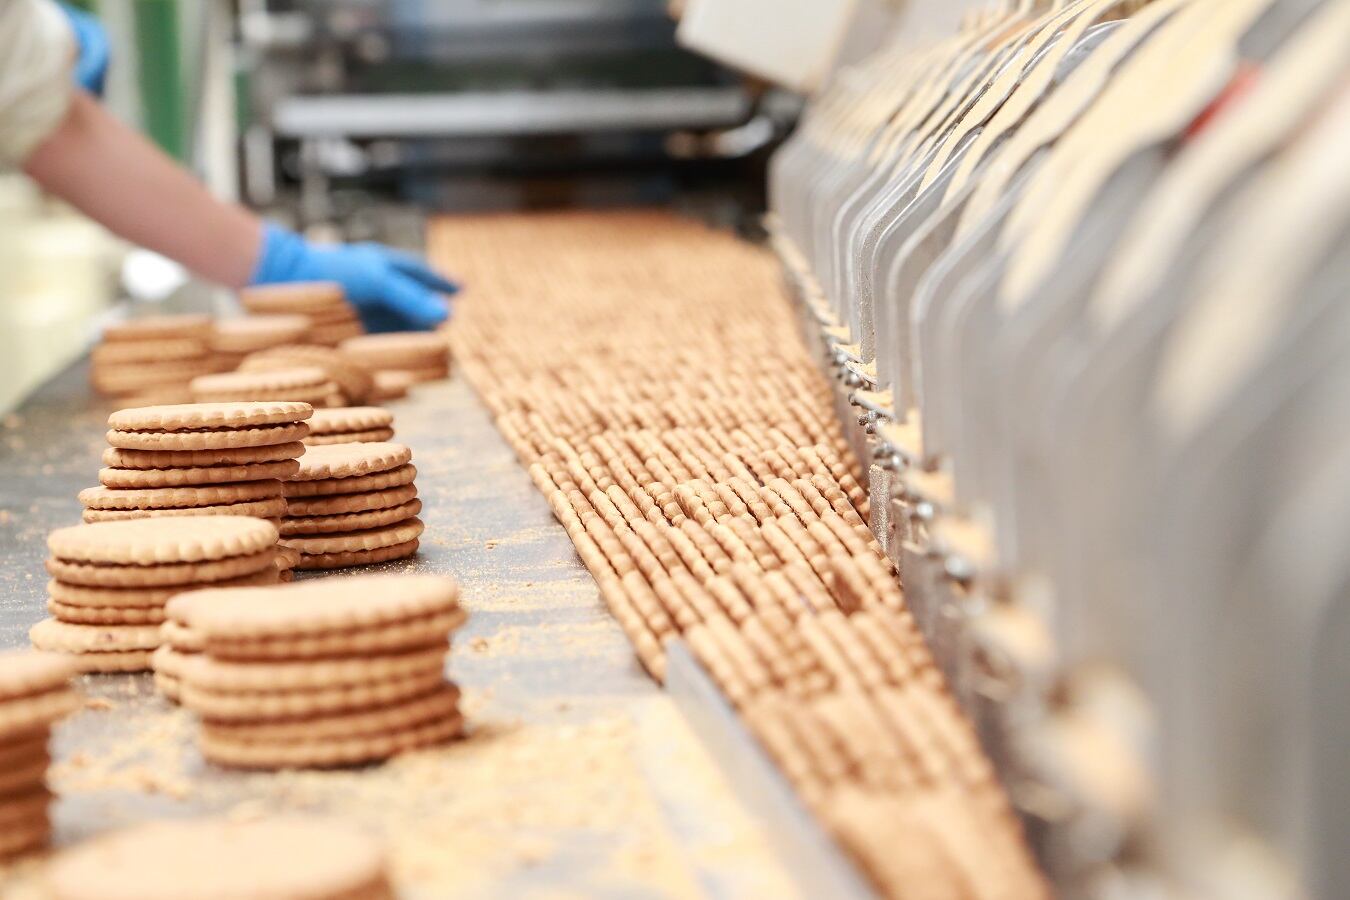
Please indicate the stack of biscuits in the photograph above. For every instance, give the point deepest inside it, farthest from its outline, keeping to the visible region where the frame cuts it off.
(425, 356)
(233, 339)
(322, 673)
(350, 425)
(179, 643)
(390, 384)
(306, 384)
(35, 693)
(351, 505)
(198, 459)
(332, 319)
(352, 379)
(153, 357)
(111, 581)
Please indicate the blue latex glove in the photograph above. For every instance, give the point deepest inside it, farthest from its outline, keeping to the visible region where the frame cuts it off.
(91, 66)
(393, 291)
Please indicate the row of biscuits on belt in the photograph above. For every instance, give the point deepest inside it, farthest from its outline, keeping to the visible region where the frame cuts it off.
(202, 514)
(299, 341)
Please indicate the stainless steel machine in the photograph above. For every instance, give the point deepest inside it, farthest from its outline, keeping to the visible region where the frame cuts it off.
(1072, 267)
(494, 103)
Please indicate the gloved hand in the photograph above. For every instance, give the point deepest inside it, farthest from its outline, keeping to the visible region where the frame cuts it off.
(91, 66)
(392, 290)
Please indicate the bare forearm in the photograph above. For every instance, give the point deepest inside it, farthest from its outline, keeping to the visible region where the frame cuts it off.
(121, 180)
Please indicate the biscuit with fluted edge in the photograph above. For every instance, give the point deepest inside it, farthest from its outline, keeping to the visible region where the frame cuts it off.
(151, 478)
(376, 435)
(34, 714)
(343, 504)
(105, 615)
(160, 327)
(198, 416)
(350, 460)
(275, 706)
(225, 750)
(273, 508)
(257, 383)
(181, 638)
(437, 702)
(398, 350)
(67, 637)
(147, 351)
(294, 297)
(24, 673)
(163, 574)
(349, 541)
(349, 558)
(316, 607)
(345, 522)
(242, 677)
(80, 595)
(344, 419)
(376, 481)
(152, 541)
(209, 438)
(186, 459)
(106, 498)
(396, 637)
(248, 334)
(283, 858)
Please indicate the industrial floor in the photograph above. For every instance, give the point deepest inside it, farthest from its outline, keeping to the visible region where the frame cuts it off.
(579, 776)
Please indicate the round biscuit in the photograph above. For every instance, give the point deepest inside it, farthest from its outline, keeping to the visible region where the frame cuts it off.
(104, 575)
(151, 541)
(27, 672)
(196, 496)
(374, 518)
(349, 418)
(436, 701)
(209, 438)
(317, 606)
(358, 484)
(247, 334)
(185, 459)
(241, 677)
(396, 637)
(149, 350)
(161, 327)
(398, 350)
(105, 615)
(196, 416)
(135, 479)
(346, 559)
(350, 460)
(276, 706)
(33, 715)
(352, 437)
(79, 595)
(24, 775)
(346, 542)
(67, 637)
(273, 508)
(341, 504)
(293, 297)
(226, 751)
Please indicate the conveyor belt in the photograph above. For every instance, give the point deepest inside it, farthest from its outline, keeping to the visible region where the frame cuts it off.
(578, 772)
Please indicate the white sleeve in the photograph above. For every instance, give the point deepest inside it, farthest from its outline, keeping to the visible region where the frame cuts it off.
(37, 56)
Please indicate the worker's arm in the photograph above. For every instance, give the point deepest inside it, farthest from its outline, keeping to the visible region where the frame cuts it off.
(121, 180)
